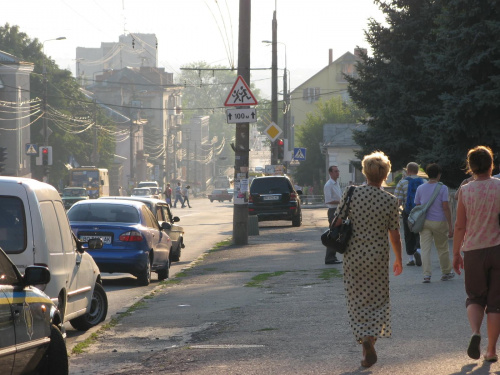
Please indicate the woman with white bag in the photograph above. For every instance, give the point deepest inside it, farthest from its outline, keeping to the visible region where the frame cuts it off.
(437, 225)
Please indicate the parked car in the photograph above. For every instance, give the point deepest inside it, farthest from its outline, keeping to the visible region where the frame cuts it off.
(133, 240)
(220, 195)
(161, 211)
(33, 336)
(34, 229)
(71, 195)
(274, 198)
(142, 192)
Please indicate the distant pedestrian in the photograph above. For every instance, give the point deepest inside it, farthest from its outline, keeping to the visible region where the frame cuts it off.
(332, 198)
(185, 196)
(437, 226)
(178, 195)
(477, 235)
(375, 220)
(168, 194)
(405, 192)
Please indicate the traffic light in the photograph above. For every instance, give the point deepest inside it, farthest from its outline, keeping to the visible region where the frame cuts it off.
(46, 155)
(281, 149)
(3, 158)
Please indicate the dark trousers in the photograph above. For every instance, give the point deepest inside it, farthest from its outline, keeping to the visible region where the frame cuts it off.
(331, 254)
(412, 240)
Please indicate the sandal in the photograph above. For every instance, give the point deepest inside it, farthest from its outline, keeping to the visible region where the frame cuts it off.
(491, 358)
(370, 353)
(427, 279)
(473, 351)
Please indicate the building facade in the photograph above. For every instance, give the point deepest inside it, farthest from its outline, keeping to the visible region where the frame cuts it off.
(15, 114)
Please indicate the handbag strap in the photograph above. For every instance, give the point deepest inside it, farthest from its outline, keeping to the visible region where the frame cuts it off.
(348, 202)
(434, 195)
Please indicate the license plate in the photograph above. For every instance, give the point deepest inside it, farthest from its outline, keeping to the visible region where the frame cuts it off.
(105, 239)
(271, 197)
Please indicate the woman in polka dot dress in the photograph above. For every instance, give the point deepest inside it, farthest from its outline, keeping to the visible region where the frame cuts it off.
(374, 214)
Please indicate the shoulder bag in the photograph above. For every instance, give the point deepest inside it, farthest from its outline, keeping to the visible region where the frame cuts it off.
(338, 237)
(416, 218)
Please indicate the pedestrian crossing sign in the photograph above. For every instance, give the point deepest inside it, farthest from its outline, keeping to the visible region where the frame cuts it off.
(299, 153)
(31, 149)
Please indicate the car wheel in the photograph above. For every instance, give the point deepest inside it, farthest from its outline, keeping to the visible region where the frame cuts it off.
(297, 220)
(55, 360)
(163, 274)
(97, 313)
(144, 278)
(175, 256)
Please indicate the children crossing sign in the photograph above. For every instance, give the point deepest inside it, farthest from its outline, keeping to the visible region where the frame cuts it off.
(240, 94)
(299, 153)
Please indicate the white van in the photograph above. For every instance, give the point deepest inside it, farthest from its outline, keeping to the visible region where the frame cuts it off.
(34, 229)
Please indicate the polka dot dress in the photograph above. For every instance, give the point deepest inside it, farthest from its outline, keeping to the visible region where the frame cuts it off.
(366, 263)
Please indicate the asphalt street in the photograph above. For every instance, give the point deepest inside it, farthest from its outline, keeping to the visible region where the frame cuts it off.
(274, 307)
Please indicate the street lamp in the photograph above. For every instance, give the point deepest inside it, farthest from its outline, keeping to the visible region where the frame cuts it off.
(45, 128)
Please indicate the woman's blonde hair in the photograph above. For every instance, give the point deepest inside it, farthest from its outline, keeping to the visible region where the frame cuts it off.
(376, 166)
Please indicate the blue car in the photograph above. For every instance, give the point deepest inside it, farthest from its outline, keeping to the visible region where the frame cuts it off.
(133, 241)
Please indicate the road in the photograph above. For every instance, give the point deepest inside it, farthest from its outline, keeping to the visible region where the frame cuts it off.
(205, 224)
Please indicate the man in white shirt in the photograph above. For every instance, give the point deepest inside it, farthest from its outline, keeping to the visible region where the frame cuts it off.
(332, 193)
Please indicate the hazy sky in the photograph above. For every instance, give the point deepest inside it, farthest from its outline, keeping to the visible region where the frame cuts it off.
(201, 30)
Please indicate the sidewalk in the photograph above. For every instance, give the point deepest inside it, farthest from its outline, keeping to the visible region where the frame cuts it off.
(292, 318)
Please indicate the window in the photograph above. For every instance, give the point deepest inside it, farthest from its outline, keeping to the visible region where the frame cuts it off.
(311, 94)
(150, 220)
(12, 225)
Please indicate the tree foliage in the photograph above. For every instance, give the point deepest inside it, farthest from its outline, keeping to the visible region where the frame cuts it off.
(310, 136)
(64, 96)
(431, 89)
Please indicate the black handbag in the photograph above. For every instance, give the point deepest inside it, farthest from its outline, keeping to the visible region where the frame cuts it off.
(338, 237)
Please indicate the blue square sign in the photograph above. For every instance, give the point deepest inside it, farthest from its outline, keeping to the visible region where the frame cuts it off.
(299, 153)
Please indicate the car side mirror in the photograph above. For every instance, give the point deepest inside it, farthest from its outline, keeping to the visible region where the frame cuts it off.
(96, 243)
(36, 275)
(166, 225)
(176, 219)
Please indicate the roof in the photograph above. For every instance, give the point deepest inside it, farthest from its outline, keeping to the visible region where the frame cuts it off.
(340, 135)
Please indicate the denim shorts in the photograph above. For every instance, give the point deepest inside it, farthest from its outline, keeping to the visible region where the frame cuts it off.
(482, 278)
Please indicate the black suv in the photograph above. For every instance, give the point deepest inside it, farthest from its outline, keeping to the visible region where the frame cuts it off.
(274, 198)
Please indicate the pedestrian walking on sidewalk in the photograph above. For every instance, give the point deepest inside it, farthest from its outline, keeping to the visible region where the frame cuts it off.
(168, 194)
(437, 225)
(374, 214)
(477, 235)
(332, 193)
(405, 192)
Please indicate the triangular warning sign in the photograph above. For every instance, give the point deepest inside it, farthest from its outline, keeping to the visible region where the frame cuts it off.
(240, 94)
(299, 154)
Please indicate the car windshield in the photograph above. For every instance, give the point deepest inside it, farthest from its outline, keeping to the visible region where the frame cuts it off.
(8, 275)
(269, 186)
(12, 224)
(74, 192)
(141, 192)
(111, 213)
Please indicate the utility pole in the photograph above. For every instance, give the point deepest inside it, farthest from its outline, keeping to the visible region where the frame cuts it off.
(240, 213)
(94, 156)
(274, 86)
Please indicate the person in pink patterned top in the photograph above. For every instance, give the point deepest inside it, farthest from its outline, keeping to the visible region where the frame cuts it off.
(477, 235)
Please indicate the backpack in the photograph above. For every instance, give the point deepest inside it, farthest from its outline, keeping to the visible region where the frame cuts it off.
(413, 184)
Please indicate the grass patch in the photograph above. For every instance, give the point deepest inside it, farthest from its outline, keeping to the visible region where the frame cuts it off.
(267, 329)
(257, 280)
(330, 274)
(219, 245)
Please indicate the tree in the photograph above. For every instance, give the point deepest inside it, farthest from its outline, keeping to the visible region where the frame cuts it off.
(465, 60)
(392, 86)
(310, 136)
(66, 100)
(431, 89)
